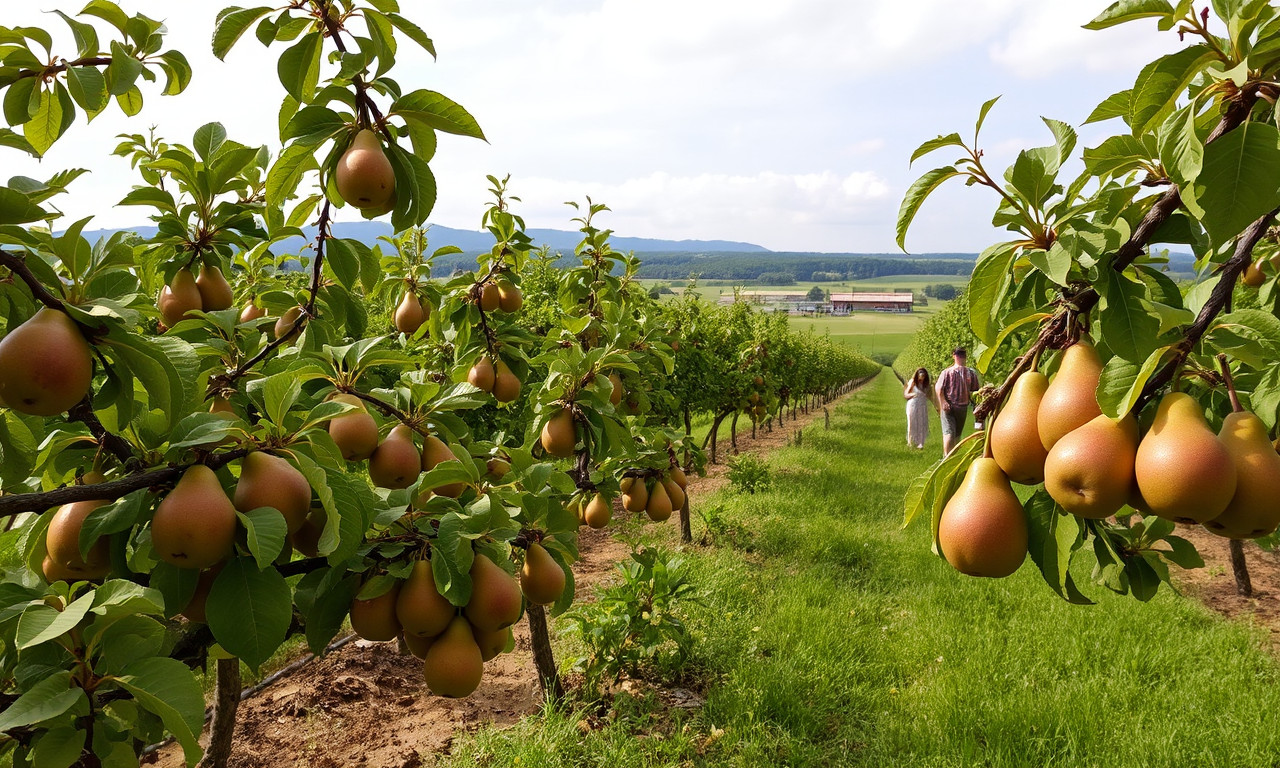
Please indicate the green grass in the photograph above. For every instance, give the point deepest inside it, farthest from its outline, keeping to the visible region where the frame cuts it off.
(711, 290)
(834, 638)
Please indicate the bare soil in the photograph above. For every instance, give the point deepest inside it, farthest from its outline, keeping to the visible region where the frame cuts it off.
(1215, 584)
(367, 705)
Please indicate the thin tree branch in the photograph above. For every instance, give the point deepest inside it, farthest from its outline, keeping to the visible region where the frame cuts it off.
(114, 444)
(87, 61)
(17, 264)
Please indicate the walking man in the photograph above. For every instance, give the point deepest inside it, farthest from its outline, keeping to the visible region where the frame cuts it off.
(955, 389)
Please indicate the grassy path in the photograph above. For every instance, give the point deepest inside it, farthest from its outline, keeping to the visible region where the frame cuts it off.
(830, 637)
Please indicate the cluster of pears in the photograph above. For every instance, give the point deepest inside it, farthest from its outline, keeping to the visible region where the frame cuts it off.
(394, 462)
(1254, 276)
(364, 176)
(658, 497)
(410, 313)
(454, 644)
(210, 292)
(494, 376)
(46, 365)
(498, 293)
(63, 559)
(755, 400)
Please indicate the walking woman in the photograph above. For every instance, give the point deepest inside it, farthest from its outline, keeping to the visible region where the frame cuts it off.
(919, 395)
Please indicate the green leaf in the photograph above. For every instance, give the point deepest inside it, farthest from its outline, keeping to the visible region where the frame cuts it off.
(86, 38)
(58, 748)
(1115, 105)
(130, 102)
(267, 530)
(51, 697)
(329, 607)
(89, 89)
(986, 290)
(21, 100)
(17, 208)
(1160, 83)
(1130, 10)
(1122, 383)
(287, 172)
(45, 126)
(437, 111)
(207, 139)
(951, 140)
(1240, 181)
(33, 633)
(150, 363)
(123, 71)
(299, 67)
(231, 24)
(108, 12)
(1130, 330)
(915, 197)
(1118, 156)
(249, 610)
(111, 518)
(982, 116)
(167, 688)
(313, 125)
(1053, 536)
(413, 32)
(1181, 150)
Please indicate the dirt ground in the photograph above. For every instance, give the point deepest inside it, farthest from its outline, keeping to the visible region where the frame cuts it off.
(366, 705)
(1215, 585)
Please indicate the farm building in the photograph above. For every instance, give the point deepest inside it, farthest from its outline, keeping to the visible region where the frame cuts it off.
(844, 303)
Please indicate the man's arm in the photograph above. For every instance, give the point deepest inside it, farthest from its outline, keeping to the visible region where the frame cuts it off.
(943, 403)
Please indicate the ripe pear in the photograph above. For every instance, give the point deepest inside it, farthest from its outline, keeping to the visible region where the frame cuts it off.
(1089, 472)
(375, 619)
(509, 297)
(615, 394)
(1015, 435)
(541, 579)
(1254, 510)
(195, 524)
(679, 476)
(62, 538)
(490, 299)
(983, 530)
(307, 538)
(55, 572)
(195, 610)
(270, 481)
(180, 296)
(597, 512)
(418, 645)
(481, 375)
(410, 315)
(506, 386)
(420, 608)
(252, 312)
(355, 432)
(1071, 399)
(492, 643)
(635, 497)
(46, 366)
(659, 507)
(284, 325)
(454, 665)
(1253, 275)
(560, 434)
(215, 291)
(434, 453)
(396, 463)
(674, 492)
(1184, 471)
(495, 598)
(364, 175)
(497, 467)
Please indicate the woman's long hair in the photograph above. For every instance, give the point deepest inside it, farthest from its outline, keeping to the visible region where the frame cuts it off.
(916, 378)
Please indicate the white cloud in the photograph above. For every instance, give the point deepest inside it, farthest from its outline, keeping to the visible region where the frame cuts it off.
(1047, 39)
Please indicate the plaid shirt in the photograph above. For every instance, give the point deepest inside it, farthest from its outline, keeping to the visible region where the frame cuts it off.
(957, 384)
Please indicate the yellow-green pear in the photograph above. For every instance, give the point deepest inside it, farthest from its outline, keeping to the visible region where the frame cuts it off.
(418, 645)
(1089, 472)
(46, 366)
(434, 453)
(506, 385)
(195, 524)
(1015, 435)
(495, 598)
(492, 643)
(598, 512)
(983, 530)
(509, 297)
(270, 481)
(490, 299)
(396, 463)
(454, 665)
(481, 375)
(364, 175)
(354, 432)
(180, 296)
(62, 539)
(659, 507)
(560, 434)
(541, 579)
(284, 325)
(375, 619)
(615, 394)
(674, 492)
(307, 538)
(215, 291)
(635, 497)
(195, 610)
(420, 608)
(1254, 510)
(1071, 399)
(410, 315)
(1184, 471)
(252, 312)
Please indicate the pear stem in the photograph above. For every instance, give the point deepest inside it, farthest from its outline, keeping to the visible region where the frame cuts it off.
(1230, 382)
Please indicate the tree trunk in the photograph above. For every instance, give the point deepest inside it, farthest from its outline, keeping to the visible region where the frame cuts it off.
(688, 432)
(1244, 585)
(686, 531)
(753, 429)
(826, 415)
(543, 658)
(713, 437)
(223, 727)
(733, 432)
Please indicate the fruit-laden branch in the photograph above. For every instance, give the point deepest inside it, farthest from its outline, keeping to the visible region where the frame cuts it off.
(17, 264)
(64, 65)
(22, 503)
(387, 409)
(228, 380)
(364, 103)
(1218, 301)
(112, 443)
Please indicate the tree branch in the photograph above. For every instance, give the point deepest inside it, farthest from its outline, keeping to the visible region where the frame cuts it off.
(87, 61)
(112, 443)
(17, 264)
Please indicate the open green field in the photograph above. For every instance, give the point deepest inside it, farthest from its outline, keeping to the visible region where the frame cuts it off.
(711, 290)
(828, 636)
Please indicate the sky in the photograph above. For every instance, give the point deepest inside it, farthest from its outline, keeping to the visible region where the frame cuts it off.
(788, 124)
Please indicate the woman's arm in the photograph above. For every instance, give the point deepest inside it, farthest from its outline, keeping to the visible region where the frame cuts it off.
(910, 390)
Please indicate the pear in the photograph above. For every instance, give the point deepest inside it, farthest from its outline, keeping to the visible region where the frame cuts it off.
(983, 530)
(195, 610)
(560, 434)
(490, 299)
(215, 291)
(492, 643)
(509, 297)
(46, 366)
(410, 315)
(195, 524)
(1089, 472)
(597, 512)
(396, 463)
(1254, 510)
(53, 571)
(434, 453)
(355, 432)
(506, 386)
(270, 481)
(615, 394)
(252, 312)
(62, 538)
(375, 619)
(541, 579)
(659, 507)
(454, 665)
(180, 296)
(307, 538)
(1253, 275)
(364, 175)
(635, 497)
(481, 375)
(495, 599)
(420, 608)
(679, 476)
(1015, 436)
(417, 645)
(284, 325)
(674, 492)
(1184, 471)
(1071, 399)
(497, 468)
